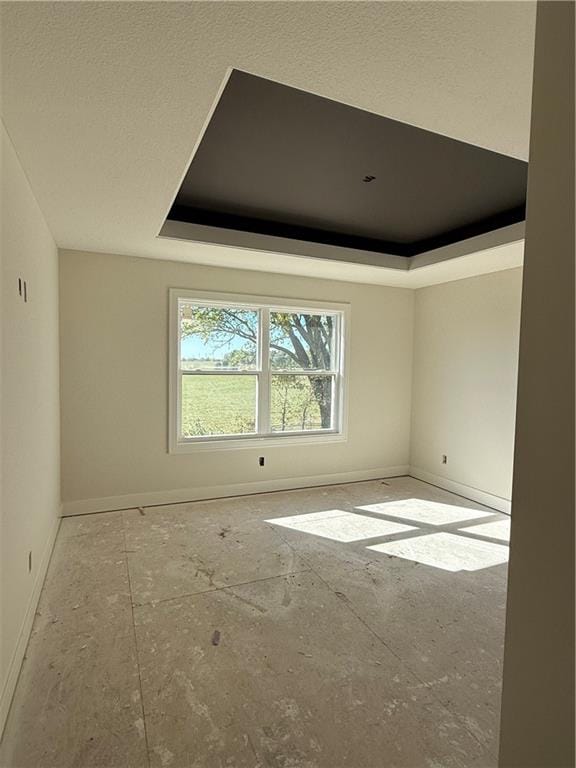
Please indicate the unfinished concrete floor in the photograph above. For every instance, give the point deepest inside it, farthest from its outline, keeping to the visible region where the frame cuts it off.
(357, 625)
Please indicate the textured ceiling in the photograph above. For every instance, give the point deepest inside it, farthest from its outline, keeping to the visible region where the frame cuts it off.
(104, 102)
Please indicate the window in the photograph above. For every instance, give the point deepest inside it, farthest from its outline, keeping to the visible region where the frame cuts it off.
(246, 368)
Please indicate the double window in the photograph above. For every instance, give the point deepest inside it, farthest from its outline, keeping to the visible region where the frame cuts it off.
(244, 367)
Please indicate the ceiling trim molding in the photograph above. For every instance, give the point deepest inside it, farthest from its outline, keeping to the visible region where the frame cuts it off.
(254, 241)
(514, 233)
(475, 248)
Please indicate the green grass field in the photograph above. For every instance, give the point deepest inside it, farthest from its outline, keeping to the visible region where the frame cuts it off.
(226, 405)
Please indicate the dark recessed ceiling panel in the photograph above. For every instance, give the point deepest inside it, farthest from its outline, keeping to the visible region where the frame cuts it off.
(275, 160)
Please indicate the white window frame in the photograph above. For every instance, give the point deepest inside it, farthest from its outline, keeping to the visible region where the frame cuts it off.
(263, 304)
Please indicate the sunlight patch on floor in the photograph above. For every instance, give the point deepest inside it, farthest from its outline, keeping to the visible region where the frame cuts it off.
(343, 526)
(499, 529)
(424, 511)
(447, 551)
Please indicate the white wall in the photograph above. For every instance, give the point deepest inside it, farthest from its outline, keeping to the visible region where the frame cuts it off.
(30, 476)
(464, 389)
(114, 368)
(538, 712)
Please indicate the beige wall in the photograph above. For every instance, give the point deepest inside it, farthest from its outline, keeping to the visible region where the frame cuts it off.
(464, 387)
(114, 346)
(538, 690)
(30, 482)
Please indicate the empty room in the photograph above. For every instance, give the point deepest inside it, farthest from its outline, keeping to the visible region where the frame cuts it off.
(287, 384)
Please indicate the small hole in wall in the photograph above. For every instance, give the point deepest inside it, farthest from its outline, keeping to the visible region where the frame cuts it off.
(261, 461)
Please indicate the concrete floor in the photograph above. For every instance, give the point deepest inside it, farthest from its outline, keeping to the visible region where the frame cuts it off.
(358, 625)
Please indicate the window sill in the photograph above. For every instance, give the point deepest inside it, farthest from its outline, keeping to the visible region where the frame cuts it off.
(241, 443)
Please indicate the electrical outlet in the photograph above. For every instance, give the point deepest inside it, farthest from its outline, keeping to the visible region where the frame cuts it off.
(444, 459)
(261, 461)
(29, 562)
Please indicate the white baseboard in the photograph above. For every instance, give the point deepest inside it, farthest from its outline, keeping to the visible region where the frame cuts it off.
(26, 628)
(498, 503)
(181, 495)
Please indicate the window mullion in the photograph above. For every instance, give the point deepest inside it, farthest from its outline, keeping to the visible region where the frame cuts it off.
(304, 372)
(264, 375)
